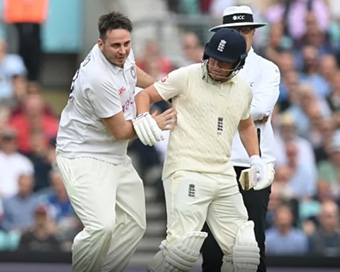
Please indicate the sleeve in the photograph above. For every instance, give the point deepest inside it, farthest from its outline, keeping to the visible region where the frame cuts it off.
(104, 98)
(173, 84)
(267, 91)
(250, 98)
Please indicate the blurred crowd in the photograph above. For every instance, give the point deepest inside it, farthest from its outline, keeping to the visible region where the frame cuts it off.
(302, 37)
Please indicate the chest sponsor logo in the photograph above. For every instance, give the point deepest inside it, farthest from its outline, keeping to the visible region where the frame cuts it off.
(122, 90)
(128, 103)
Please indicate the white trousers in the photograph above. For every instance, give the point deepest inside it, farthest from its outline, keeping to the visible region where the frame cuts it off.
(109, 200)
(193, 198)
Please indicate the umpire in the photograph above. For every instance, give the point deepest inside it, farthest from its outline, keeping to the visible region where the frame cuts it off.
(264, 79)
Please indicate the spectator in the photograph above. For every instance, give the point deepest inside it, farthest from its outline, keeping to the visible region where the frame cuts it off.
(19, 209)
(39, 157)
(307, 107)
(333, 99)
(328, 169)
(56, 200)
(286, 62)
(324, 191)
(61, 211)
(328, 68)
(287, 131)
(310, 73)
(288, 90)
(302, 182)
(293, 14)
(11, 68)
(284, 238)
(326, 133)
(191, 45)
(275, 43)
(12, 163)
(152, 55)
(5, 114)
(32, 119)
(27, 17)
(41, 237)
(278, 194)
(315, 36)
(326, 239)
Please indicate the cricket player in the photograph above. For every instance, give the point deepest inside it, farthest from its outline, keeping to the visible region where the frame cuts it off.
(95, 127)
(199, 181)
(263, 76)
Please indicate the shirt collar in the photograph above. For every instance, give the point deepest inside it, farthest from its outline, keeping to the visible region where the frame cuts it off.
(251, 51)
(114, 68)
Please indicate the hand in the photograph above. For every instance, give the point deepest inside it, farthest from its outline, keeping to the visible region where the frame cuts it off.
(268, 180)
(147, 129)
(258, 164)
(263, 120)
(166, 120)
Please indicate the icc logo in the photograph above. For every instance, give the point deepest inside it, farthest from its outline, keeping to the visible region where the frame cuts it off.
(238, 17)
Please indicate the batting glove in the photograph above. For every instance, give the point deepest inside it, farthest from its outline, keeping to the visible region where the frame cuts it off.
(147, 129)
(269, 177)
(259, 165)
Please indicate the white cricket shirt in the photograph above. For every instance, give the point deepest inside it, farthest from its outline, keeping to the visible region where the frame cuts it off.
(263, 77)
(99, 90)
(208, 116)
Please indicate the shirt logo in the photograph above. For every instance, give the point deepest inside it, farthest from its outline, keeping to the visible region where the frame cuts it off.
(122, 90)
(191, 190)
(238, 17)
(164, 78)
(133, 72)
(127, 104)
(221, 45)
(219, 125)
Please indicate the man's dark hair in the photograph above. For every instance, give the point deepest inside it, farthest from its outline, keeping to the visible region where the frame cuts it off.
(113, 20)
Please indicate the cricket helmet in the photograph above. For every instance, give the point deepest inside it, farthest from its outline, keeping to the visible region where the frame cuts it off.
(226, 45)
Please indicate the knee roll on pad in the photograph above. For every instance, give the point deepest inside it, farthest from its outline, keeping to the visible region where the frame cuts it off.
(182, 255)
(246, 253)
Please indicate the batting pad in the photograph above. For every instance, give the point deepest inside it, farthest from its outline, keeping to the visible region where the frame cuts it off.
(180, 256)
(246, 253)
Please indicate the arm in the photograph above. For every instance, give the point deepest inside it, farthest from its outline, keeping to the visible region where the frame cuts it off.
(168, 87)
(144, 124)
(248, 136)
(255, 176)
(119, 127)
(145, 98)
(266, 93)
(143, 79)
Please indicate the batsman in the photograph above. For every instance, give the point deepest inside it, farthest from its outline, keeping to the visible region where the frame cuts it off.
(212, 103)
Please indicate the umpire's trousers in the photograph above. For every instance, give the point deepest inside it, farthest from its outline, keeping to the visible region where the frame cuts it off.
(256, 203)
